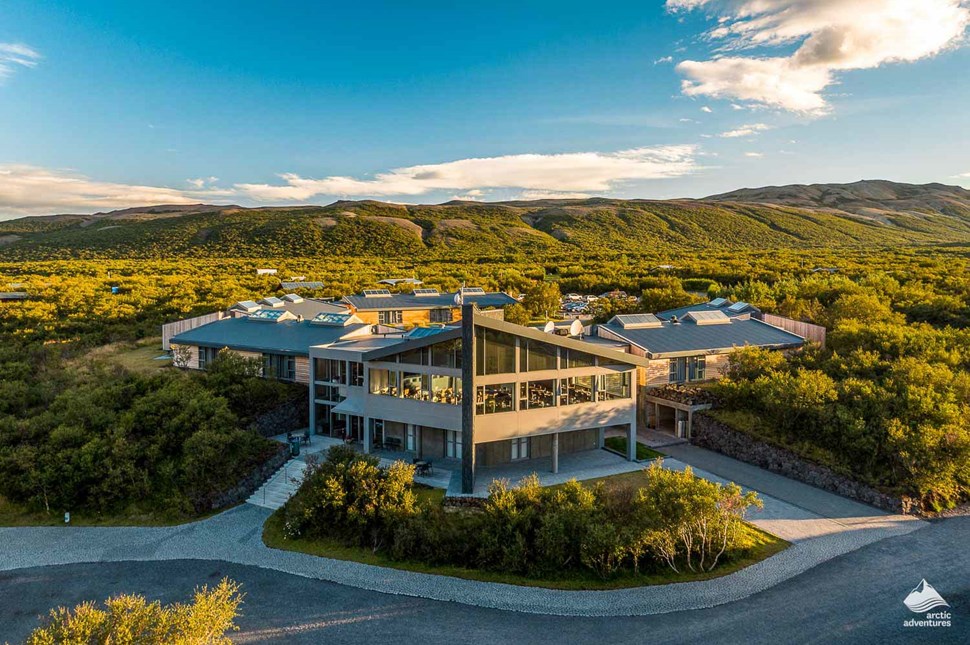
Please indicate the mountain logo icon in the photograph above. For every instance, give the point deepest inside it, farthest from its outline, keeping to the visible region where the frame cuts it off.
(924, 598)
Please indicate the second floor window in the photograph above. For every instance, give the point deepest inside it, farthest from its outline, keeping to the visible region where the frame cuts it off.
(356, 374)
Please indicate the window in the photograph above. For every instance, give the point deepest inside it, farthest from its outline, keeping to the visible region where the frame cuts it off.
(384, 382)
(390, 317)
(356, 374)
(572, 358)
(206, 356)
(447, 354)
(414, 357)
(328, 393)
(687, 368)
(537, 394)
(279, 367)
(491, 399)
(520, 448)
(495, 352)
(440, 315)
(453, 444)
(411, 438)
(330, 370)
(578, 389)
(613, 386)
(535, 355)
(446, 389)
(415, 386)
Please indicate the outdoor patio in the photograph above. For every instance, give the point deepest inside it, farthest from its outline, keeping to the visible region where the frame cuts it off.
(441, 469)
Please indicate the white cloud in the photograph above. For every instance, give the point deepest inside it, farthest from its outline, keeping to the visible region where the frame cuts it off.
(830, 36)
(735, 106)
(584, 172)
(550, 194)
(748, 130)
(201, 182)
(753, 154)
(31, 190)
(962, 175)
(15, 55)
(706, 109)
(665, 59)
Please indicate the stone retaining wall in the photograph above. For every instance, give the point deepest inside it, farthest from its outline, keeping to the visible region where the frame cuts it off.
(290, 416)
(710, 433)
(249, 484)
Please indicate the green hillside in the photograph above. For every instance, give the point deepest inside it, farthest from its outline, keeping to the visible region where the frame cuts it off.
(462, 229)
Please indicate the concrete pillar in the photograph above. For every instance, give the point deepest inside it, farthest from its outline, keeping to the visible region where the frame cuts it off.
(367, 435)
(313, 395)
(631, 442)
(555, 452)
(468, 399)
(601, 440)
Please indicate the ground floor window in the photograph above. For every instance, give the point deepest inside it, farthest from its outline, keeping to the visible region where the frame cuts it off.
(377, 431)
(411, 438)
(279, 367)
(688, 368)
(520, 448)
(390, 317)
(453, 444)
(206, 356)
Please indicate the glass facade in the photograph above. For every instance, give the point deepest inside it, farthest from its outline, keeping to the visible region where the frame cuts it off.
(492, 399)
(613, 386)
(577, 389)
(384, 382)
(415, 386)
(446, 389)
(535, 356)
(356, 374)
(279, 367)
(687, 368)
(414, 357)
(330, 370)
(495, 352)
(447, 354)
(572, 358)
(537, 394)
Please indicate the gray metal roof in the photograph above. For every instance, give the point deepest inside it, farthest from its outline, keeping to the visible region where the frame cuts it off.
(411, 301)
(288, 337)
(690, 338)
(718, 304)
(297, 284)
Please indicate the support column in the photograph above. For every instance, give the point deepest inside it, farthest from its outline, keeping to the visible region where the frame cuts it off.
(631, 442)
(312, 397)
(468, 399)
(555, 452)
(367, 435)
(601, 439)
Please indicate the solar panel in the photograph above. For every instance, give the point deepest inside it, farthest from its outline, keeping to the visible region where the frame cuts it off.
(738, 306)
(472, 291)
(719, 302)
(377, 293)
(637, 321)
(425, 292)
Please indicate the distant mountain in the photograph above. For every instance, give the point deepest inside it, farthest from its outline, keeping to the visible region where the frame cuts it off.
(871, 199)
(822, 216)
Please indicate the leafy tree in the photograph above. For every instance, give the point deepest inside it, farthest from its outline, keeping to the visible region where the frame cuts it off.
(542, 299)
(516, 313)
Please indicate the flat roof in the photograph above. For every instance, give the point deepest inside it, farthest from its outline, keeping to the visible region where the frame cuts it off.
(718, 304)
(688, 337)
(410, 301)
(287, 337)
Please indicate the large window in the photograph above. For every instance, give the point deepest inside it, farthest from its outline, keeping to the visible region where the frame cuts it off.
(206, 356)
(687, 368)
(495, 352)
(390, 317)
(440, 315)
(613, 386)
(328, 393)
(414, 357)
(330, 370)
(453, 443)
(578, 389)
(535, 356)
(573, 358)
(279, 367)
(447, 354)
(520, 448)
(356, 374)
(446, 389)
(415, 386)
(384, 382)
(537, 394)
(491, 399)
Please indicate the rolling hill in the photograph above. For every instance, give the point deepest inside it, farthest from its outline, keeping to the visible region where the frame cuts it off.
(861, 214)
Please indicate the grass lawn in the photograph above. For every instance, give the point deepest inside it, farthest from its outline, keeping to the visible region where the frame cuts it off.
(618, 444)
(12, 514)
(762, 545)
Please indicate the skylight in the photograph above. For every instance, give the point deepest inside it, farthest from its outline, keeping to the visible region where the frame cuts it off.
(377, 293)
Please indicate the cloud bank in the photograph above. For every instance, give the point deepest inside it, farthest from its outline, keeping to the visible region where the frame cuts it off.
(575, 172)
(829, 36)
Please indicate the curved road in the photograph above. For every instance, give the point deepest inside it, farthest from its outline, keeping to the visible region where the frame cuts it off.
(853, 598)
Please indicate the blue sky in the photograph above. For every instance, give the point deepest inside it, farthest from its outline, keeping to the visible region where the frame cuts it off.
(108, 104)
